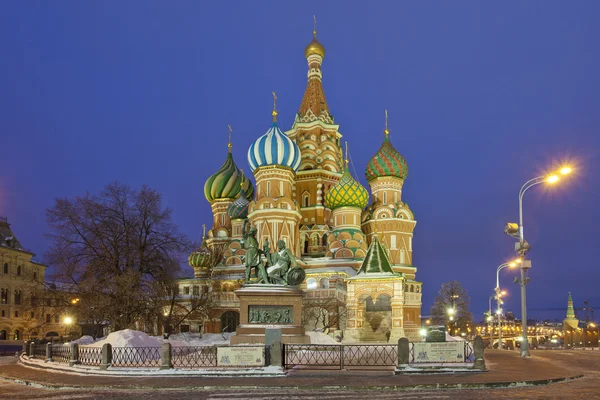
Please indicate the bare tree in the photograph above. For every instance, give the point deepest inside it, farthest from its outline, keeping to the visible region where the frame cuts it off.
(112, 248)
(326, 312)
(451, 307)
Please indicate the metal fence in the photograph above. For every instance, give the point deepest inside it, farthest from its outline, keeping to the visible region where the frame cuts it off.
(334, 356)
(194, 356)
(61, 353)
(89, 355)
(136, 356)
(39, 351)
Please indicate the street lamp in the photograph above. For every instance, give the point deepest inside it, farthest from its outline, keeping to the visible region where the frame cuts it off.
(451, 312)
(500, 293)
(522, 247)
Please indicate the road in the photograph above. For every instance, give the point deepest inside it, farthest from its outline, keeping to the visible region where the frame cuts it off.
(580, 362)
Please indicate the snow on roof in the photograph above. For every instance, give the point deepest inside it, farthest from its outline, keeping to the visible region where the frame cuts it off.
(348, 270)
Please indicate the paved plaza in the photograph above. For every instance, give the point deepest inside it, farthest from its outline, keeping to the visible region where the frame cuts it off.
(564, 367)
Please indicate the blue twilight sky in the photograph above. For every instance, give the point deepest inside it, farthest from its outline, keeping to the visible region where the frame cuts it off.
(481, 95)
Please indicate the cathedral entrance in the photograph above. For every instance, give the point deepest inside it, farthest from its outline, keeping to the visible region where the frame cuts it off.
(229, 321)
(378, 319)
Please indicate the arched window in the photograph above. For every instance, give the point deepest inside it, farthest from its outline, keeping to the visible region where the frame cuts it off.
(18, 270)
(418, 289)
(305, 200)
(311, 283)
(324, 283)
(324, 239)
(412, 288)
(229, 321)
(305, 245)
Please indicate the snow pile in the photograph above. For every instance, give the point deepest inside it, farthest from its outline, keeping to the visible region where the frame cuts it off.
(194, 339)
(453, 338)
(129, 338)
(84, 340)
(318, 337)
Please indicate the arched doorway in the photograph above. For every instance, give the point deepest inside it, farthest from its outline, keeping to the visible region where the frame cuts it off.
(17, 335)
(229, 321)
(378, 318)
(3, 335)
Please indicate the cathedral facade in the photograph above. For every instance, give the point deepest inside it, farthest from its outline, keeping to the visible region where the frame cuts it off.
(357, 254)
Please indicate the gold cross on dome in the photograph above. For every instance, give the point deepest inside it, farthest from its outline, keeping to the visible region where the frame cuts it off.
(315, 26)
(386, 130)
(230, 131)
(274, 113)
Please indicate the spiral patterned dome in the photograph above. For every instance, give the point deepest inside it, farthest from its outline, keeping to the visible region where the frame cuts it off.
(347, 193)
(239, 208)
(387, 162)
(226, 183)
(274, 148)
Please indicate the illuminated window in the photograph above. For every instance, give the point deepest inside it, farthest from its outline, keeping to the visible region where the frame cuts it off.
(311, 283)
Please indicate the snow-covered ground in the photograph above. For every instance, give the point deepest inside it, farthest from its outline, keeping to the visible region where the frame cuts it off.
(132, 338)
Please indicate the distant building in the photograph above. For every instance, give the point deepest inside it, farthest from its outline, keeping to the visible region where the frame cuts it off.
(26, 309)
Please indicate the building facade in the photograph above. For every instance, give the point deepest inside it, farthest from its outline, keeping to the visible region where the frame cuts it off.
(305, 195)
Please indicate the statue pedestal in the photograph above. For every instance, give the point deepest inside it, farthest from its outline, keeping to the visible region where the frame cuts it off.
(265, 306)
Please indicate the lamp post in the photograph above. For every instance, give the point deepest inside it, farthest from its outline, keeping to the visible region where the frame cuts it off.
(490, 319)
(451, 311)
(523, 247)
(499, 294)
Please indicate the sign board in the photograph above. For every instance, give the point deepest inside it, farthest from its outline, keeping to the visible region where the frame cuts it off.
(240, 356)
(425, 352)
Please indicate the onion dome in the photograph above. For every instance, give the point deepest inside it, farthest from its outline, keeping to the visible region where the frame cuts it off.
(314, 47)
(239, 208)
(387, 162)
(274, 148)
(347, 193)
(227, 182)
(200, 259)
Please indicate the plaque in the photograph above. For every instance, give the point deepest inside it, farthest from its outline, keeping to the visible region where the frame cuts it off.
(240, 356)
(439, 352)
(272, 315)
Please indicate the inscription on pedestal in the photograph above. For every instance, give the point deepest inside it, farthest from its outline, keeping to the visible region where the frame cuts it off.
(270, 314)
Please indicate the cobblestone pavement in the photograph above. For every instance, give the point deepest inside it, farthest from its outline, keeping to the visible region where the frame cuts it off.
(552, 362)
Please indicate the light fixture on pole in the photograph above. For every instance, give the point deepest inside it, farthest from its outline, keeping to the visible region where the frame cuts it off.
(522, 247)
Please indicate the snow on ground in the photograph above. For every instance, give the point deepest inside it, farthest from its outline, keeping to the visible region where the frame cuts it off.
(129, 338)
(194, 339)
(84, 340)
(318, 337)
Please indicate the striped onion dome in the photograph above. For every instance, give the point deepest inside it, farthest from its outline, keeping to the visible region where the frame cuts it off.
(274, 148)
(387, 162)
(200, 258)
(226, 183)
(347, 193)
(239, 208)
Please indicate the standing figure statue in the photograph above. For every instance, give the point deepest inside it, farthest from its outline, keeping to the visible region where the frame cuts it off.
(253, 253)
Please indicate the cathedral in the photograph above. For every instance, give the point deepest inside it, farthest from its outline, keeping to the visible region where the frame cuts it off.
(360, 280)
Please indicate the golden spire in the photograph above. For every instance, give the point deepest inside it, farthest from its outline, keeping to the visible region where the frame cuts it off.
(315, 28)
(229, 140)
(386, 130)
(274, 113)
(346, 159)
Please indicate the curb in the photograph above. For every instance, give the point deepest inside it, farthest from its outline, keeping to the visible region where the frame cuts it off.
(128, 373)
(432, 386)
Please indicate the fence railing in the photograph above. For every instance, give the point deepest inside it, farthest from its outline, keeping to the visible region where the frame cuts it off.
(336, 356)
(290, 356)
(194, 356)
(136, 356)
(89, 355)
(61, 353)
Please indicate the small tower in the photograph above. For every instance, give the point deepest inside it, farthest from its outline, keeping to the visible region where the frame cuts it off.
(274, 159)
(346, 200)
(570, 320)
(375, 299)
(220, 190)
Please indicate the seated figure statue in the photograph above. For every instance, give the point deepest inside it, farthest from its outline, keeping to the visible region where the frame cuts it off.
(279, 263)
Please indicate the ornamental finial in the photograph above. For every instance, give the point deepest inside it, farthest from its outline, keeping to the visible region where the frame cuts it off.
(386, 130)
(203, 231)
(346, 159)
(229, 140)
(315, 26)
(274, 113)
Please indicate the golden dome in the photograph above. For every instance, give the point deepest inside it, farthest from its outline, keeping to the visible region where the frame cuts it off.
(314, 47)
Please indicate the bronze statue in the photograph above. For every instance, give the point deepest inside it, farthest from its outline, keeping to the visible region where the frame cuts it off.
(253, 253)
(281, 267)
